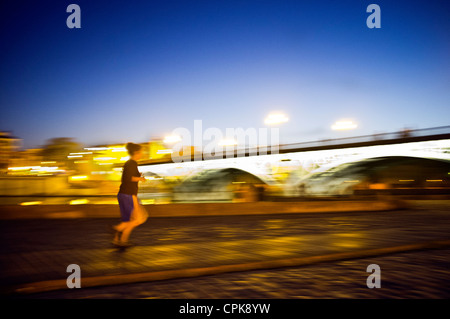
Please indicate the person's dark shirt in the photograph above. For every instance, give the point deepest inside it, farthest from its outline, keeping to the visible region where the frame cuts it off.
(130, 169)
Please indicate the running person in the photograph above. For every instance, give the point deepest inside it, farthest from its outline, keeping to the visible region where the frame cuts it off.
(127, 196)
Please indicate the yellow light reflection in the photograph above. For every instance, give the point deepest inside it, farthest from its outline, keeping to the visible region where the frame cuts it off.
(79, 202)
(347, 244)
(31, 203)
(78, 177)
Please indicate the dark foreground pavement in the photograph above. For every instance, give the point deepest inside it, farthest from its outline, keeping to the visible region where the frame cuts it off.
(39, 250)
(408, 275)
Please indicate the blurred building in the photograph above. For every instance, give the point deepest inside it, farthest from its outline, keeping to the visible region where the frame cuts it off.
(104, 162)
(158, 150)
(9, 145)
(28, 157)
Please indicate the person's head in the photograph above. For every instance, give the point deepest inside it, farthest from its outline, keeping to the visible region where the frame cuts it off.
(134, 150)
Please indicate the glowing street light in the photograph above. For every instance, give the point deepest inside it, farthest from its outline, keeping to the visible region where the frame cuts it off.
(228, 142)
(344, 125)
(170, 139)
(276, 118)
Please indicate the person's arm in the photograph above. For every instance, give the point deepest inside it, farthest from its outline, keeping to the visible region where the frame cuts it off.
(137, 177)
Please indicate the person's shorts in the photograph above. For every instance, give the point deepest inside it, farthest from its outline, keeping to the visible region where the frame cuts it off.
(126, 206)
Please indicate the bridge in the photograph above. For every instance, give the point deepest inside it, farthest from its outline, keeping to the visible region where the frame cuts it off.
(264, 162)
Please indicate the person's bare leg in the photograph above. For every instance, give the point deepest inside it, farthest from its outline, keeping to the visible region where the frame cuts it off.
(128, 228)
(120, 227)
(127, 231)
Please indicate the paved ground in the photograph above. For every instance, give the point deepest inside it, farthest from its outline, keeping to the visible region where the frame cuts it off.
(36, 250)
(408, 275)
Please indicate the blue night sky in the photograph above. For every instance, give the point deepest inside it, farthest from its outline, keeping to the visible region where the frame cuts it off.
(137, 70)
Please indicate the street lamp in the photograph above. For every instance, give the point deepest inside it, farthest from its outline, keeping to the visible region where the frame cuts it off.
(344, 125)
(228, 142)
(171, 139)
(276, 118)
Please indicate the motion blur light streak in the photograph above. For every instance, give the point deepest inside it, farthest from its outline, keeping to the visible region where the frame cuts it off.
(96, 148)
(78, 177)
(31, 203)
(168, 151)
(23, 168)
